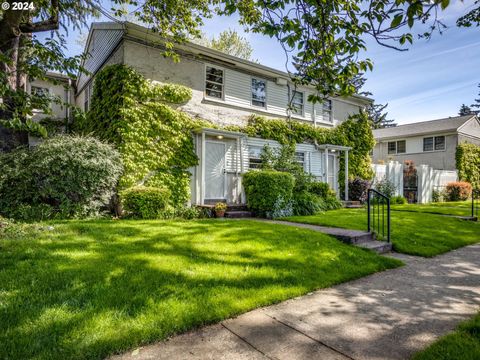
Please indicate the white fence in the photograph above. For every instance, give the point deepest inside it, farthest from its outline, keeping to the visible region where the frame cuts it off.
(428, 178)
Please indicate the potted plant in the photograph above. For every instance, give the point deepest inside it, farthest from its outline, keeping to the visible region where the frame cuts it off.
(220, 209)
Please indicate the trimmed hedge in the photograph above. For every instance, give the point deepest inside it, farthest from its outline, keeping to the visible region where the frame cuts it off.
(145, 202)
(62, 177)
(468, 163)
(268, 192)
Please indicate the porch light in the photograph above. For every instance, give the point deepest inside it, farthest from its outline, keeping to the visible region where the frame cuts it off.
(333, 150)
(220, 137)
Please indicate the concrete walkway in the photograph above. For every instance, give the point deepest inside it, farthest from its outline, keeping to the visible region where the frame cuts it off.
(388, 315)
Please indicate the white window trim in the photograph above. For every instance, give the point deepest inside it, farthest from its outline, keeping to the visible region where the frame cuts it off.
(265, 107)
(205, 96)
(330, 112)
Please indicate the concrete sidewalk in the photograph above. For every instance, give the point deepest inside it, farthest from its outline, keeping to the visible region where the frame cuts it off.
(389, 315)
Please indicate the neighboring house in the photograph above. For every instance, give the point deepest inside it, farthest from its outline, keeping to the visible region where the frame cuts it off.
(57, 85)
(430, 143)
(226, 91)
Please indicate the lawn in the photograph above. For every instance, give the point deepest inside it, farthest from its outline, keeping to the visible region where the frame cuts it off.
(459, 208)
(88, 289)
(463, 344)
(412, 233)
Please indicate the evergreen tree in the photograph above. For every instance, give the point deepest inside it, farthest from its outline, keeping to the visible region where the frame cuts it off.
(377, 114)
(476, 104)
(465, 110)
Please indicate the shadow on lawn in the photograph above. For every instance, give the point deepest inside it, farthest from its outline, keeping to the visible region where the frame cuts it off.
(92, 288)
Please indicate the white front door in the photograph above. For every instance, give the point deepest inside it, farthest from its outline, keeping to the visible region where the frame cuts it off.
(332, 172)
(215, 174)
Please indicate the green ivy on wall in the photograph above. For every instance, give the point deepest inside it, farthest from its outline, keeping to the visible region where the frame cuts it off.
(468, 163)
(154, 139)
(156, 143)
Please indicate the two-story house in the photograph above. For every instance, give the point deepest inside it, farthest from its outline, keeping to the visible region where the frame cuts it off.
(226, 91)
(430, 143)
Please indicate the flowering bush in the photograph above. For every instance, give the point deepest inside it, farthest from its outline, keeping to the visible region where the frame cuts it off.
(458, 191)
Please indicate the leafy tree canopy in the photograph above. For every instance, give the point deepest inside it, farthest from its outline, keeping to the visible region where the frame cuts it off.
(229, 42)
(323, 39)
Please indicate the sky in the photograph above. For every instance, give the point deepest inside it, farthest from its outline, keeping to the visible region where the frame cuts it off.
(429, 81)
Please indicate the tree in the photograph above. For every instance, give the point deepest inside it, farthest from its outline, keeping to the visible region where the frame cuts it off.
(476, 103)
(323, 40)
(229, 42)
(378, 116)
(465, 110)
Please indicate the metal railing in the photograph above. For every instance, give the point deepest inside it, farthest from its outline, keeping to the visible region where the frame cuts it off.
(378, 219)
(475, 202)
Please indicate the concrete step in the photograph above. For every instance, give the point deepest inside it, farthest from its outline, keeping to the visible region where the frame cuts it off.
(237, 207)
(380, 247)
(238, 214)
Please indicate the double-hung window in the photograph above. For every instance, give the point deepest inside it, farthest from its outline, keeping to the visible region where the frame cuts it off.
(327, 110)
(214, 81)
(300, 158)
(297, 102)
(432, 143)
(254, 158)
(397, 147)
(259, 92)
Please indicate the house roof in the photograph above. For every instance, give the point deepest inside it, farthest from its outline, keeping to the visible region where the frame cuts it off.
(144, 34)
(450, 124)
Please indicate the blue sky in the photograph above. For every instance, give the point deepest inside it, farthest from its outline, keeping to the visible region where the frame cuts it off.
(430, 80)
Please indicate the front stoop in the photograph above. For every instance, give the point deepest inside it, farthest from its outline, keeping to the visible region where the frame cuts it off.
(352, 204)
(358, 238)
(238, 212)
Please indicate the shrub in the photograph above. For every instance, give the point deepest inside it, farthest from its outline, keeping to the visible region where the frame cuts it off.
(306, 203)
(386, 187)
(458, 191)
(331, 203)
(321, 189)
(439, 195)
(357, 189)
(63, 177)
(467, 159)
(399, 199)
(145, 202)
(268, 192)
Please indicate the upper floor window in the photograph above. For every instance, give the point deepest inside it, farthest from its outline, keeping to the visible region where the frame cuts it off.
(434, 143)
(397, 147)
(300, 158)
(39, 92)
(259, 92)
(327, 110)
(214, 82)
(297, 102)
(254, 158)
(88, 96)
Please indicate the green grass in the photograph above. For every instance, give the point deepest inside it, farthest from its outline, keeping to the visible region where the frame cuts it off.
(463, 344)
(412, 233)
(459, 208)
(88, 289)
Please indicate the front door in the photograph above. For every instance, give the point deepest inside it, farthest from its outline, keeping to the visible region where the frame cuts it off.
(332, 172)
(215, 173)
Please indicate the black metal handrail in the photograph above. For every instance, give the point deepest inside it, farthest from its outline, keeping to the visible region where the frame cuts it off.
(475, 202)
(375, 199)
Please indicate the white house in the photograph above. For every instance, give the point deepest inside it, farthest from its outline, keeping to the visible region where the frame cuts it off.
(226, 91)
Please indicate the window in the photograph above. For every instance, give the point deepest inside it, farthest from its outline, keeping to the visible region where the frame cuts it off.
(88, 96)
(259, 88)
(297, 102)
(439, 142)
(39, 92)
(397, 147)
(401, 147)
(428, 144)
(254, 159)
(214, 82)
(300, 158)
(327, 110)
(434, 143)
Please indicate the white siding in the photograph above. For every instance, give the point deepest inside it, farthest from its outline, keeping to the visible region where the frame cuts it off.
(237, 88)
(277, 98)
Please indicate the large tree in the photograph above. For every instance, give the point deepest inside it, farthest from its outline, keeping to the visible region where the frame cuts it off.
(229, 42)
(324, 40)
(465, 110)
(476, 104)
(379, 116)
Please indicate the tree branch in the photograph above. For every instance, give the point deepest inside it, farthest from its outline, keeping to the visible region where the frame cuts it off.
(45, 25)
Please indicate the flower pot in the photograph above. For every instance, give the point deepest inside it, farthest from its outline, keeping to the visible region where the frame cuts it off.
(219, 213)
